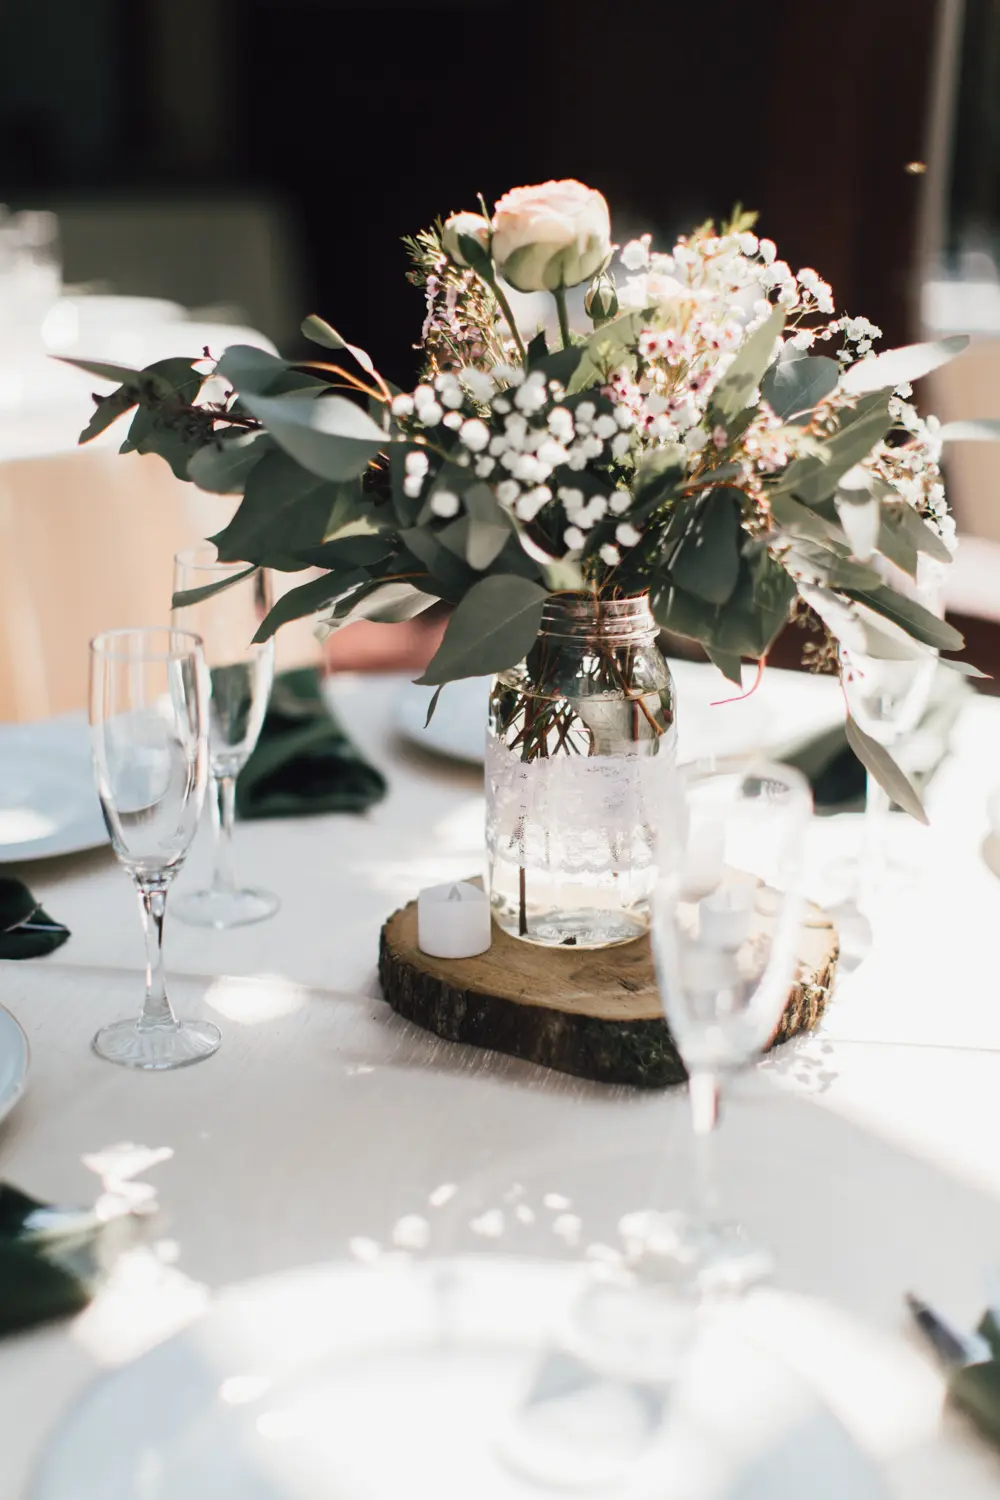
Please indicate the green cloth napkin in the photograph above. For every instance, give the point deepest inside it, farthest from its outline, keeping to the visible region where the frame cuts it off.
(26, 931)
(975, 1388)
(303, 761)
(838, 778)
(49, 1261)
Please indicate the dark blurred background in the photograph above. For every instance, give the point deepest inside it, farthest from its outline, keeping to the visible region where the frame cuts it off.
(354, 121)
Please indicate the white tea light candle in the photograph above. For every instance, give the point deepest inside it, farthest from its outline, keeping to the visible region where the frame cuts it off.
(453, 921)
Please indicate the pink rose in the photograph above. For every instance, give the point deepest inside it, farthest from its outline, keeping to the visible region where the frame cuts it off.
(554, 235)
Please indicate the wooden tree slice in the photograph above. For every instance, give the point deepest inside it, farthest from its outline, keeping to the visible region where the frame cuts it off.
(595, 1014)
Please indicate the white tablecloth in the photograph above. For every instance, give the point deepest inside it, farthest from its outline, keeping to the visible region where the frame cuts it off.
(865, 1155)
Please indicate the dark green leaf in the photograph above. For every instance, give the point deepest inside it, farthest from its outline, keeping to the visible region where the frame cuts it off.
(746, 372)
(798, 520)
(386, 604)
(331, 437)
(187, 597)
(797, 382)
(895, 541)
(923, 537)
(728, 663)
(910, 616)
(284, 508)
(898, 366)
(706, 561)
(308, 599)
(117, 374)
(222, 466)
(452, 573)
(248, 369)
(432, 705)
(153, 432)
(319, 331)
(364, 550)
(876, 759)
(492, 628)
(657, 478)
(107, 410)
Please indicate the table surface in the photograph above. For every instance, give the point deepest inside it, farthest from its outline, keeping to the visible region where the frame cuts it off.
(326, 1127)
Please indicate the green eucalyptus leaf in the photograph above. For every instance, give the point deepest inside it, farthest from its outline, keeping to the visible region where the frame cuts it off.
(492, 628)
(706, 561)
(387, 604)
(895, 541)
(284, 508)
(814, 478)
(732, 395)
(729, 663)
(331, 437)
(432, 705)
(876, 759)
(608, 347)
(894, 367)
(108, 409)
(222, 466)
(798, 520)
(910, 616)
(308, 599)
(319, 331)
(450, 571)
(923, 536)
(150, 432)
(964, 668)
(249, 370)
(796, 383)
(117, 374)
(186, 597)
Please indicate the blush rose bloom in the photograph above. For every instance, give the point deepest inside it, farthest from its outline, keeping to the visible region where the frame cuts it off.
(555, 235)
(474, 226)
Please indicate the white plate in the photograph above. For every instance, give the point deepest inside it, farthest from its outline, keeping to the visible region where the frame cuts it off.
(343, 1382)
(785, 710)
(48, 801)
(14, 1059)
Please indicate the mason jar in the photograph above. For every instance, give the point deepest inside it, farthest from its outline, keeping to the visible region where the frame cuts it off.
(575, 735)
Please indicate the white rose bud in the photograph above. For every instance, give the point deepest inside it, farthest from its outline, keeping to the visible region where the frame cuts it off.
(555, 235)
(467, 226)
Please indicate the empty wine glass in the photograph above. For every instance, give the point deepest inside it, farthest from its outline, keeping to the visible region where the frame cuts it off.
(241, 674)
(149, 736)
(727, 916)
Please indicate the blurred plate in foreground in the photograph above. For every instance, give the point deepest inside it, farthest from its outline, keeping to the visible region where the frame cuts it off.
(48, 801)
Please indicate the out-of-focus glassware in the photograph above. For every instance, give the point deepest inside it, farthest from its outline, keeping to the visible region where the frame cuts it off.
(727, 917)
(149, 735)
(241, 674)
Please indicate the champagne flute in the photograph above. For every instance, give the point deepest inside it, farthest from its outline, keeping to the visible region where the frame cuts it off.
(727, 915)
(241, 674)
(149, 737)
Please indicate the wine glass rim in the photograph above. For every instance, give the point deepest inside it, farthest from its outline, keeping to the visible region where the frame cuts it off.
(121, 644)
(205, 559)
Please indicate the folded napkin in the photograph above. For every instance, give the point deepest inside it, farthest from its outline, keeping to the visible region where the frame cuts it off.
(303, 761)
(49, 1261)
(838, 778)
(26, 931)
(971, 1363)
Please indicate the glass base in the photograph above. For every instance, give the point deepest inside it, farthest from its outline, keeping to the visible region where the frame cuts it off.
(588, 927)
(222, 909)
(158, 1047)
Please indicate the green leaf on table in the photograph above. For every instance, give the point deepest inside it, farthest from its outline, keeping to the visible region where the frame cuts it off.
(308, 599)
(732, 395)
(815, 477)
(982, 430)
(186, 597)
(913, 618)
(706, 560)
(330, 436)
(879, 372)
(284, 508)
(492, 628)
(222, 466)
(876, 759)
(795, 384)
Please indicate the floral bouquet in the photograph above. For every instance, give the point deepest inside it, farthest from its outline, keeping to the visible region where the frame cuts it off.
(708, 434)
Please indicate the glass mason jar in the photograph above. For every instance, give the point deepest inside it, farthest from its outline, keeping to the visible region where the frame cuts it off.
(574, 731)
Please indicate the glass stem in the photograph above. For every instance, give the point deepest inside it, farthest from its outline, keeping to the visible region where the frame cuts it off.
(873, 848)
(223, 815)
(703, 1089)
(157, 1012)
